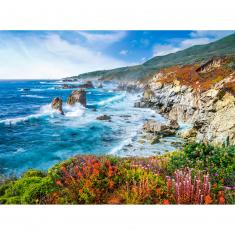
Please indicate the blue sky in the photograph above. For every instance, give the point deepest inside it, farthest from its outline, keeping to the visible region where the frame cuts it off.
(56, 54)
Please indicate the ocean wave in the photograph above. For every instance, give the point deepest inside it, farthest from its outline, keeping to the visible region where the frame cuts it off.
(34, 96)
(45, 110)
(124, 143)
(111, 100)
(76, 110)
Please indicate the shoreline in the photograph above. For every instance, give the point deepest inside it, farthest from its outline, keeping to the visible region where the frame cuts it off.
(88, 179)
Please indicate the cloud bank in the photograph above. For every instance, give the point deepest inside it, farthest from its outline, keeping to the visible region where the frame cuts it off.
(51, 56)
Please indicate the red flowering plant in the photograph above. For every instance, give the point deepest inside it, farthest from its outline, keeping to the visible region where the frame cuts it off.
(86, 179)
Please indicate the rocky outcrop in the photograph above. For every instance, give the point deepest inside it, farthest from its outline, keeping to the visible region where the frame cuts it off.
(87, 85)
(210, 109)
(188, 133)
(130, 86)
(77, 96)
(158, 128)
(104, 118)
(57, 105)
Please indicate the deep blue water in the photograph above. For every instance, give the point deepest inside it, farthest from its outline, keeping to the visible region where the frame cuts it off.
(32, 135)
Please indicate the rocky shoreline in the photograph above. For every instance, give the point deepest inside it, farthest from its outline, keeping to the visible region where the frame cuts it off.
(210, 111)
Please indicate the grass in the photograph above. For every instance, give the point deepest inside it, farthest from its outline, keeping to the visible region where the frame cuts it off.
(197, 174)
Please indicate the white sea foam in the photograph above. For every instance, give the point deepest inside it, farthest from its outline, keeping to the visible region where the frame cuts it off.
(76, 110)
(125, 142)
(34, 96)
(111, 100)
(45, 110)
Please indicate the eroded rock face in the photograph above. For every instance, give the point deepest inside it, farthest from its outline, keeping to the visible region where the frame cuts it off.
(210, 111)
(57, 105)
(77, 96)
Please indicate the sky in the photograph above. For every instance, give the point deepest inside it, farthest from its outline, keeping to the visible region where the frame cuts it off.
(58, 54)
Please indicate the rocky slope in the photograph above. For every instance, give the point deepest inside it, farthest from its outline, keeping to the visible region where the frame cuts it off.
(200, 95)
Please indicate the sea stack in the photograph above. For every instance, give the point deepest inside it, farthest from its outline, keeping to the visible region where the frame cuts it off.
(77, 96)
(57, 105)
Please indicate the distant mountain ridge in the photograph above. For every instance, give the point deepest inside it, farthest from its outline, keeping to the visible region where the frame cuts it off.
(194, 54)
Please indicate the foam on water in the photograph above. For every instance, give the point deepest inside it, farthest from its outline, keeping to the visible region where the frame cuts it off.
(34, 96)
(111, 100)
(45, 137)
(45, 110)
(76, 110)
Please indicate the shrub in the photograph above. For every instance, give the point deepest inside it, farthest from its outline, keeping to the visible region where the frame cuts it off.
(32, 188)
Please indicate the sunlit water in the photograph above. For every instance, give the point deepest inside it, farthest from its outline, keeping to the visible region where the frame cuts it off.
(32, 135)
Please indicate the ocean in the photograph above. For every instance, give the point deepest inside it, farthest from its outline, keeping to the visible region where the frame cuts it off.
(32, 135)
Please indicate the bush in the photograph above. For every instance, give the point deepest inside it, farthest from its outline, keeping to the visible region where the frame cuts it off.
(32, 188)
(219, 162)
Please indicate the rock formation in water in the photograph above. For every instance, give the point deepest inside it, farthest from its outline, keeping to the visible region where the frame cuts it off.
(104, 118)
(57, 105)
(77, 96)
(87, 85)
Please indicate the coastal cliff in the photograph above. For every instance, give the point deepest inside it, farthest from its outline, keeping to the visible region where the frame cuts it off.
(200, 95)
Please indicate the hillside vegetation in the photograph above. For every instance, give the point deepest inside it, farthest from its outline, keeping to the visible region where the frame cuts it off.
(192, 55)
(198, 174)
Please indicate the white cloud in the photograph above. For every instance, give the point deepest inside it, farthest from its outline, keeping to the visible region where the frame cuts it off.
(106, 38)
(194, 41)
(50, 56)
(211, 33)
(123, 52)
(164, 49)
(196, 38)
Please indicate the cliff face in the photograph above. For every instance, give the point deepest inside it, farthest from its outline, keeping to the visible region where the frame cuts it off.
(200, 95)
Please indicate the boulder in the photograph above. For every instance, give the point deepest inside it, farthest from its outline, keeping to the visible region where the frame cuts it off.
(77, 96)
(148, 94)
(104, 118)
(188, 133)
(57, 105)
(154, 140)
(158, 128)
(173, 124)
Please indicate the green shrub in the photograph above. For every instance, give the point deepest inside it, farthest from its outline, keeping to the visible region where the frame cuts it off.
(32, 188)
(219, 162)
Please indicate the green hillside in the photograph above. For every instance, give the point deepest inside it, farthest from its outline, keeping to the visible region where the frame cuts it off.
(195, 54)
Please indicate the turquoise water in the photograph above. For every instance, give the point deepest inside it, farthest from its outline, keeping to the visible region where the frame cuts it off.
(32, 135)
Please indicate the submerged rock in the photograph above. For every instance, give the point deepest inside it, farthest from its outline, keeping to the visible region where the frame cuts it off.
(57, 105)
(77, 96)
(104, 118)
